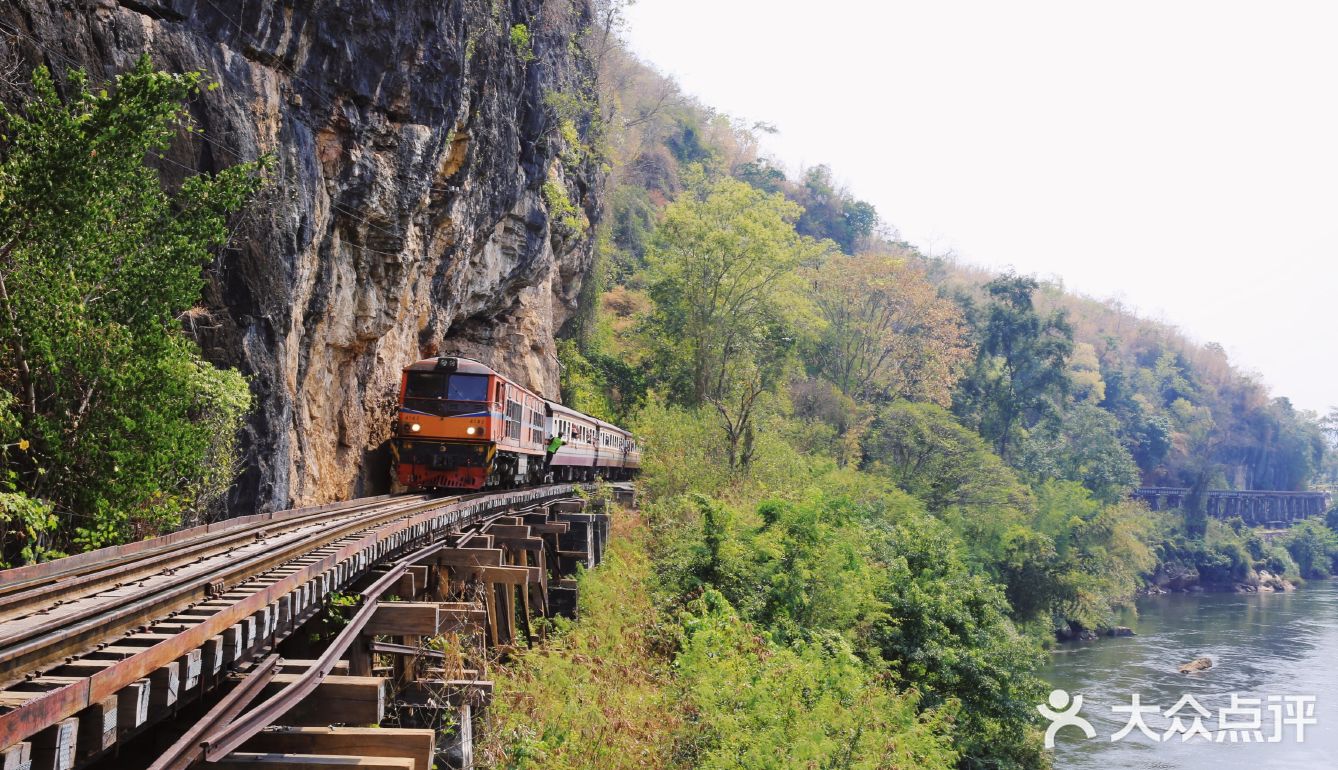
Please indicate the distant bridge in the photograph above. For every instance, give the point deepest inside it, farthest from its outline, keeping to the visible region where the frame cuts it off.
(1255, 507)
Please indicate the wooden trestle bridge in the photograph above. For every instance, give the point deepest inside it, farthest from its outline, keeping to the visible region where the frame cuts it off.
(196, 649)
(1259, 507)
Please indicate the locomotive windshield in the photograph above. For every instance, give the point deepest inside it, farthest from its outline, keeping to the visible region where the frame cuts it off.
(453, 387)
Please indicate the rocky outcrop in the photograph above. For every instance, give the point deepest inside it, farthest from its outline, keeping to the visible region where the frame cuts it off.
(412, 142)
(1196, 665)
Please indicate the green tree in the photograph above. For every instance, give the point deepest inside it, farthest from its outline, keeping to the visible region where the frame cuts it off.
(129, 428)
(1101, 552)
(1195, 506)
(927, 453)
(947, 631)
(832, 213)
(1020, 371)
(722, 273)
(1082, 445)
(888, 333)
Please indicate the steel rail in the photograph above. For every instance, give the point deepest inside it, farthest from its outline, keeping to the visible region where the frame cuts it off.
(349, 544)
(225, 739)
(211, 739)
(88, 579)
(37, 644)
(21, 578)
(188, 749)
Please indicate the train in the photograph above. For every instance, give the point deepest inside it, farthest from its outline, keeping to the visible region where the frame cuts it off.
(462, 425)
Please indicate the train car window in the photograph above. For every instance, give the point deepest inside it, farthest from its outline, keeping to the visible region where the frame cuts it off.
(453, 387)
(467, 387)
(513, 412)
(536, 427)
(425, 385)
(500, 390)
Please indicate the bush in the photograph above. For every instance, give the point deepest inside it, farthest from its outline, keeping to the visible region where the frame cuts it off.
(1314, 547)
(521, 41)
(755, 704)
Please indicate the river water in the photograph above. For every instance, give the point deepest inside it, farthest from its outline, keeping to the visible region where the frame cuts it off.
(1281, 645)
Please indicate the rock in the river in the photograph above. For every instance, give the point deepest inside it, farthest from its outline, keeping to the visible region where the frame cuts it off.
(1120, 631)
(418, 145)
(1198, 664)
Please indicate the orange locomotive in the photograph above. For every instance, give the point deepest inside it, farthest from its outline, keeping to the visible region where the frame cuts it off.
(464, 426)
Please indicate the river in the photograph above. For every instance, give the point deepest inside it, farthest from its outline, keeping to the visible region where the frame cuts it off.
(1281, 645)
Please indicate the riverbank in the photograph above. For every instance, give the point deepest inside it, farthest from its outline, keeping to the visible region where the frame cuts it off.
(1266, 582)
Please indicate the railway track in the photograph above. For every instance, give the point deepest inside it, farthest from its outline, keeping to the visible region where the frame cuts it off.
(99, 652)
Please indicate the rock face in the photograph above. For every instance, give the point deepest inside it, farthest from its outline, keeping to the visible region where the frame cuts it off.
(416, 151)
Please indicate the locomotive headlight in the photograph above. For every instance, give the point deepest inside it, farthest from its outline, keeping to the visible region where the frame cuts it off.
(415, 427)
(471, 430)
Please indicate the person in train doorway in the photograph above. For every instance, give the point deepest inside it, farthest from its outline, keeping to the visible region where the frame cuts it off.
(555, 443)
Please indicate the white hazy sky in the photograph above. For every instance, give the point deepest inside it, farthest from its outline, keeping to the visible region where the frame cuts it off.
(1179, 155)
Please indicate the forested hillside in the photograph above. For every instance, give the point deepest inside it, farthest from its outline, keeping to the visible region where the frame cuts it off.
(872, 476)
(1179, 407)
(877, 483)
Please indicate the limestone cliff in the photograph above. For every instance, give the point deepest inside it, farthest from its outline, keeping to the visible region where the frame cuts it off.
(412, 141)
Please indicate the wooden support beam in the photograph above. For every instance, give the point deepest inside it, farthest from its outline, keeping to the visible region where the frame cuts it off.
(349, 700)
(404, 618)
(164, 687)
(490, 606)
(521, 543)
(416, 745)
(298, 665)
(97, 728)
(467, 674)
(359, 657)
(447, 692)
(506, 612)
(234, 643)
(522, 558)
(190, 666)
(451, 606)
(441, 582)
(54, 747)
(132, 705)
(215, 656)
(404, 668)
(247, 760)
(508, 575)
(550, 528)
(412, 582)
(470, 557)
(473, 616)
(462, 742)
(17, 757)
